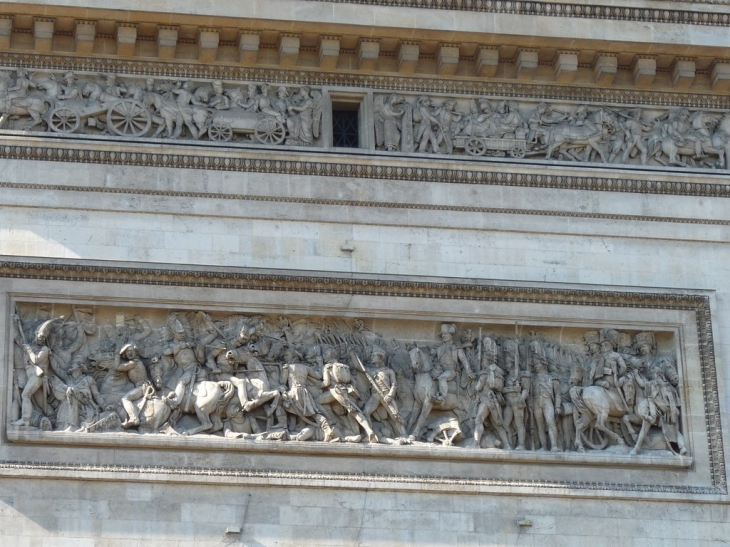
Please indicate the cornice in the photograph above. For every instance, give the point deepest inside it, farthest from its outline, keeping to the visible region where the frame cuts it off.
(561, 9)
(393, 287)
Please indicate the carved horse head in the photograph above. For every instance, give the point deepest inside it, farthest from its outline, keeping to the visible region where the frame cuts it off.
(420, 360)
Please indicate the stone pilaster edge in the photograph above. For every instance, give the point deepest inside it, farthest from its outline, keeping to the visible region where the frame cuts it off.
(698, 303)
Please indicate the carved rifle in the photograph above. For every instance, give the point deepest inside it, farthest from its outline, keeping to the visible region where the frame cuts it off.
(391, 405)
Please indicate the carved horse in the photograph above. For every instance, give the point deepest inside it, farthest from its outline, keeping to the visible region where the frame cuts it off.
(35, 107)
(206, 399)
(425, 392)
(166, 112)
(593, 405)
(258, 390)
(721, 138)
(566, 136)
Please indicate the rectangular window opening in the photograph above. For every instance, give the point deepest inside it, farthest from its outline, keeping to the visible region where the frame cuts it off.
(346, 124)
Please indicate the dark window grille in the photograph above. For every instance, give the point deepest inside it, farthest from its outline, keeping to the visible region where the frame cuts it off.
(345, 131)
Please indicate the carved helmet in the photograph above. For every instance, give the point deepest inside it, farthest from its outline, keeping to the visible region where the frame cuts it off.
(449, 328)
(126, 347)
(490, 349)
(644, 338)
(610, 336)
(592, 337)
(377, 350)
(44, 330)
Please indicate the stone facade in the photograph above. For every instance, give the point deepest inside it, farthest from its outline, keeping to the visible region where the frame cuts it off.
(223, 327)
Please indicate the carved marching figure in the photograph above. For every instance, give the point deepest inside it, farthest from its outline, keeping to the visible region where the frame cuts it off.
(449, 359)
(545, 400)
(384, 386)
(516, 391)
(338, 382)
(37, 363)
(489, 395)
(128, 362)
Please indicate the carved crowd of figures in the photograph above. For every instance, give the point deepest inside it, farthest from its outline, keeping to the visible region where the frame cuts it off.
(169, 109)
(257, 377)
(275, 115)
(678, 137)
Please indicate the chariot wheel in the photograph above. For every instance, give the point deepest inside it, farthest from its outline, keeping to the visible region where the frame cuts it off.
(269, 131)
(594, 438)
(517, 151)
(220, 131)
(128, 118)
(64, 120)
(476, 147)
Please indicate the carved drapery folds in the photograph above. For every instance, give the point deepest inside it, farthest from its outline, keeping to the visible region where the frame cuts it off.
(271, 115)
(325, 379)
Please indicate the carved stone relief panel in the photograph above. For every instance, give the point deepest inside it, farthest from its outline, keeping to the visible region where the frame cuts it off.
(86, 370)
(271, 115)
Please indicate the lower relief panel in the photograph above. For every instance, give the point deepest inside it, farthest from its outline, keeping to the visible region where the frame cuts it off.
(456, 387)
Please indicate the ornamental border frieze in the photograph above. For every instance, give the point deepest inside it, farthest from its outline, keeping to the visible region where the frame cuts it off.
(559, 9)
(380, 82)
(339, 480)
(462, 175)
(237, 280)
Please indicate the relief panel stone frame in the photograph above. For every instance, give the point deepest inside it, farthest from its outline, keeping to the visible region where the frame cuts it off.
(686, 314)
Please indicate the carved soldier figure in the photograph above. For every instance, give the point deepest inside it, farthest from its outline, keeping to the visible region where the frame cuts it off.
(297, 399)
(516, 391)
(489, 388)
(127, 361)
(337, 380)
(426, 125)
(449, 357)
(219, 100)
(22, 84)
(37, 365)
(384, 390)
(182, 352)
(184, 99)
(592, 341)
(80, 399)
(545, 398)
(70, 91)
(447, 117)
(543, 117)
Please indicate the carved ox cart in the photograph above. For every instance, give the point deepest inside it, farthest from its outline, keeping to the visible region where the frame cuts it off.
(492, 146)
(123, 117)
(262, 129)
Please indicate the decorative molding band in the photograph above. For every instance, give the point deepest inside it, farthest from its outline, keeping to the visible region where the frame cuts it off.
(330, 480)
(354, 203)
(385, 83)
(192, 277)
(556, 9)
(258, 163)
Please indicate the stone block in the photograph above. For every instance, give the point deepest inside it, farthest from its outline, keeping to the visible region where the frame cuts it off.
(166, 41)
(248, 47)
(43, 33)
(447, 59)
(643, 70)
(720, 76)
(208, 39)
(683, 72)
(6, 29)
(408, 57)
(566, 66)
(487, 61)
(605, 68)
(368, 53)
(126, 39)
(85, 36)
(329, 51)
(526, 64)
(289, 49)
